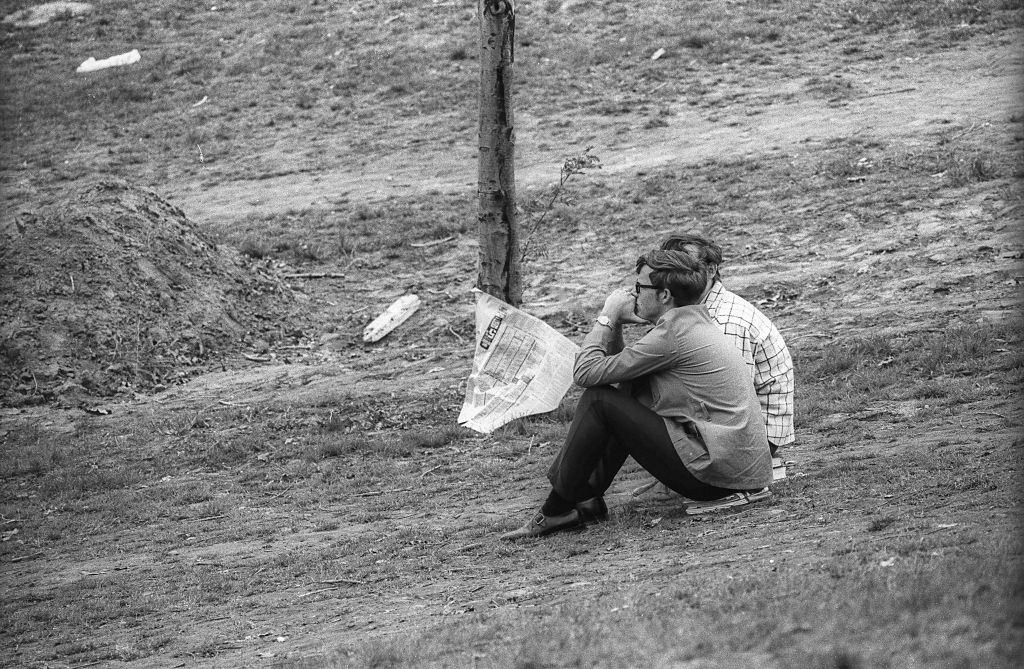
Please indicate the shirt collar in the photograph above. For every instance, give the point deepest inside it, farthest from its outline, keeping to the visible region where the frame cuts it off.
(716, 289)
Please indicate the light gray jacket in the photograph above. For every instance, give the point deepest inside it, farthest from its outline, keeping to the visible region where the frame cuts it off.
(689, 373)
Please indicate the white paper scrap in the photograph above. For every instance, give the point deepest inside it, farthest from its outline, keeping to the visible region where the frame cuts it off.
(396, 314)
(91, 64)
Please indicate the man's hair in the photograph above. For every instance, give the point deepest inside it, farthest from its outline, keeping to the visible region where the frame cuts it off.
(684, 276)
(699, 247)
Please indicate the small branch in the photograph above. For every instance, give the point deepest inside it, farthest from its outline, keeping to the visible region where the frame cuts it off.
(572, 166)
(26, 557)
(812, 334)
(431, 469)
(315, 275)
(317, 592)
(283, 492)
(456, 334)
(423, 245)
(374, 493)
(880, 93)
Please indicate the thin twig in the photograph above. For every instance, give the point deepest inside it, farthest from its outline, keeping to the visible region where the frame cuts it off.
(26, 557)
(283, 492)
(316, 592)
(232, 404)
(434, 242)
(315, 275)
(875, 95)
(431, 469)
(456, 334)
(813, 334)
(374, 493)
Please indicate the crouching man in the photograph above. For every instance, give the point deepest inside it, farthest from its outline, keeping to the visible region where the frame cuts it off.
(679, 401)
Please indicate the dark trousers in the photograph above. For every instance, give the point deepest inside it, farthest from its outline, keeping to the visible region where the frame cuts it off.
(610, 425)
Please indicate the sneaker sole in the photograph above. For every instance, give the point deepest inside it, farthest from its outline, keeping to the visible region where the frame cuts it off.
(743, 499)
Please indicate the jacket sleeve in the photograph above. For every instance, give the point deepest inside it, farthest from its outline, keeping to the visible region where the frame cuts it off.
(595, 366)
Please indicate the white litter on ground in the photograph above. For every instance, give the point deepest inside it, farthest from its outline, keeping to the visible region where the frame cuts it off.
(91, 64)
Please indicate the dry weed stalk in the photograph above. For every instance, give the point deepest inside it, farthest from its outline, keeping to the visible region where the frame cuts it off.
(572, 166)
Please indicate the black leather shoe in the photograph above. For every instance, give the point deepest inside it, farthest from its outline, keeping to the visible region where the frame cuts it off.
(541, 525)
(593, 509)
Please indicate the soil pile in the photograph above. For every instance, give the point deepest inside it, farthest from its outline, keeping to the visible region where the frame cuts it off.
(120, 292)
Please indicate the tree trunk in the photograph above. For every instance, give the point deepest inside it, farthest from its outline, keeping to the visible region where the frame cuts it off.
(496, 188)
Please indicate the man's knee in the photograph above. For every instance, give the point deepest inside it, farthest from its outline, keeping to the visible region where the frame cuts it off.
(607, 402)
(598, 394)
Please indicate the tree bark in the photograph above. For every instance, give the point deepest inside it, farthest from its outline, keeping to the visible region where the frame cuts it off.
(499, 273)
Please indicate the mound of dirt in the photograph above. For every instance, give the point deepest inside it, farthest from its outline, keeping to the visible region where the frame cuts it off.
(119, 292)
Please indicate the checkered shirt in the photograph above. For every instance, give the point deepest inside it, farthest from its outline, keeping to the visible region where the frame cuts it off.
(765, 352)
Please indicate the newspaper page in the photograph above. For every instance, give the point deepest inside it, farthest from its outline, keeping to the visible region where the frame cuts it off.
(521, 366)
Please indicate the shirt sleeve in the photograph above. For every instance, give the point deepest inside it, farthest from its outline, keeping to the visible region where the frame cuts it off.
(596, 367)
(774, 383)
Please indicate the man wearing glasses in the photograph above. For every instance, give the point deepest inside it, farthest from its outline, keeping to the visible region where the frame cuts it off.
(683, 408)
(763, 348)
(757, 338)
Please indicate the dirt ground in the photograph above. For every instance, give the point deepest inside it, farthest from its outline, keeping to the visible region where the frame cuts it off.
(217, 347)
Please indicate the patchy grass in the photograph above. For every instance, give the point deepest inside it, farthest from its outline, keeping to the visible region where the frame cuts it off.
(348, 516)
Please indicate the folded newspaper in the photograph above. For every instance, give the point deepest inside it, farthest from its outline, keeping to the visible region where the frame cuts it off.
(521, 366)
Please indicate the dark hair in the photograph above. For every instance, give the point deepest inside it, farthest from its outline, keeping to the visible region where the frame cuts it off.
(684, 276)
(697, 246)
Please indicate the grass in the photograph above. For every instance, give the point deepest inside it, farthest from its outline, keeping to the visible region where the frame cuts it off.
(359, 511)
(727, 621)
(897, 571)
(961, 364)
(246, 71)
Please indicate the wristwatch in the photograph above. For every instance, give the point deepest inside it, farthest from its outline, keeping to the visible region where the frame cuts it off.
(605, 321)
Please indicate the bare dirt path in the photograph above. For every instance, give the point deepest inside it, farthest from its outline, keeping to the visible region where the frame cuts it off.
(906, 100)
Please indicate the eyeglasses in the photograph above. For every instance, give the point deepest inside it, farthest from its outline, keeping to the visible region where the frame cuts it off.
(645, 285)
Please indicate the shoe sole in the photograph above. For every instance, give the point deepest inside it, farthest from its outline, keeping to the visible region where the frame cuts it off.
(698, 508)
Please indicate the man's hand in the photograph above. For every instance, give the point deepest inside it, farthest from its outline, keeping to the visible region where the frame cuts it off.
(618, 307)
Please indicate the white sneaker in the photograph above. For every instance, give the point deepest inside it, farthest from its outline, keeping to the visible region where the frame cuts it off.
(778, 469)
(694, 508)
